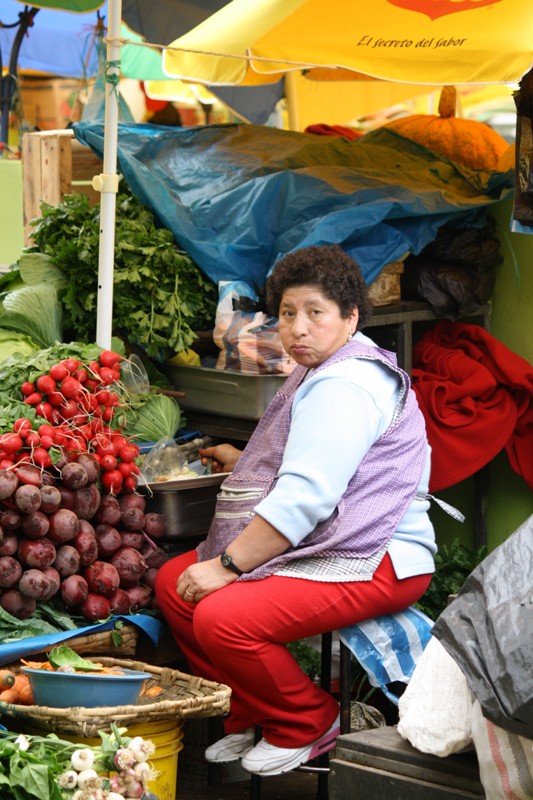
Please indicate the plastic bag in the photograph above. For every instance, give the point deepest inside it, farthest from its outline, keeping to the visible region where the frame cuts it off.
(246, 335)
(165, 461)
(487, 629)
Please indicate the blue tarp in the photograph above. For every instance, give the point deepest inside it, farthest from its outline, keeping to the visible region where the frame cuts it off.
(23, 648)
(237, 197)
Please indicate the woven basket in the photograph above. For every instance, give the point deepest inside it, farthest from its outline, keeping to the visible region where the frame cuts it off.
(182, 696)
(119, 643)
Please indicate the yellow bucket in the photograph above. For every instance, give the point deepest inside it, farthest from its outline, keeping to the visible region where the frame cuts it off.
(167, 737)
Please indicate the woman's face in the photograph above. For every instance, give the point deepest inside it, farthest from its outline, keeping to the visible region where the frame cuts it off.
(310, 325)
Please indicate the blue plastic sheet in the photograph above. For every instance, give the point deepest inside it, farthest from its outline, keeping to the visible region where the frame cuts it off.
(13, 651)
(237, 197)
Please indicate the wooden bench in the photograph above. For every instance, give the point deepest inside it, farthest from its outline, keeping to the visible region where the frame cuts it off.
(380, 764)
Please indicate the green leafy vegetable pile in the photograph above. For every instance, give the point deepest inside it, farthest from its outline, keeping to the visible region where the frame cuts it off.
(160, 295)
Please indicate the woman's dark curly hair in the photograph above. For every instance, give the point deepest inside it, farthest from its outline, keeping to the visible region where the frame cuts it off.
(335, 273)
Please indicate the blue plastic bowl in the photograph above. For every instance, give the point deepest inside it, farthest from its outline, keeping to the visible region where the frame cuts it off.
(77, 689)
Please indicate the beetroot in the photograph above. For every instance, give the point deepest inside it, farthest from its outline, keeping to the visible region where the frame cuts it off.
(8, 483)
(109, 511)
(18, 604)
(64, 525)
(38, 553)
(50, 499)
(140, 597)
(91, 466)
(132, 500)
(108, 539)
(10, 520)
(130, 566)
(154, 525)
(9, 544)
(102, 578)
(10, 571)
(55, 581)
(150, 576)
(74, 590)
(133, 519)
(95, 607)
(87, 501)
(68, 497)
(29, 474)
(120, 602)
(131, 539)
(35, 525)
(74, 475)
(27, 498)
(34, 583)
(67, 561)
(87, 546)
(154, 556)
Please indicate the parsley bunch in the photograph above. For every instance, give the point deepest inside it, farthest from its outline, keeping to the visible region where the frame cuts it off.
(160, 295)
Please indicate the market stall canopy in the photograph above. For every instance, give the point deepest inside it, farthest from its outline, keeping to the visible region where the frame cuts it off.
(415, 41)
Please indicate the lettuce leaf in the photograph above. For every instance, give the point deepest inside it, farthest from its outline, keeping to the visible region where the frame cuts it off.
(34, 311)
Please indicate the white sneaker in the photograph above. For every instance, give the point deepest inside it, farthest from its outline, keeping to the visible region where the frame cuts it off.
(266, 759)
(231, 747)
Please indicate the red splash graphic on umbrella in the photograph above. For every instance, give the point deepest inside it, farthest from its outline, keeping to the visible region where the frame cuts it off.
(439, 8)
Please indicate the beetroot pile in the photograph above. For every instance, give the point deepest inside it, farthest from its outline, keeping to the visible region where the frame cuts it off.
(72, 525)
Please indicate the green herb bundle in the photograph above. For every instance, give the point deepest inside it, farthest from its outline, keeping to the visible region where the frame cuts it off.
(160, 295)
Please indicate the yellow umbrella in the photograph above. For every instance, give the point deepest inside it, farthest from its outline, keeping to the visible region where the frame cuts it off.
(410, 41)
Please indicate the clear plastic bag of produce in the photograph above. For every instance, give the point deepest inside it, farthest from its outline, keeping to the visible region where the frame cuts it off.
(487, 630)
(165, 461)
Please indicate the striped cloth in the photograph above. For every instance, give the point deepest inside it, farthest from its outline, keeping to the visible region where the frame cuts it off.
(389, 647)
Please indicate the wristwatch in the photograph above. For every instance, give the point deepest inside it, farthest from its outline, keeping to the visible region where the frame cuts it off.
(227, 561)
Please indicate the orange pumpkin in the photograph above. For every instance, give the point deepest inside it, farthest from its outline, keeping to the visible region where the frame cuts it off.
(507, 159)
(463, 141)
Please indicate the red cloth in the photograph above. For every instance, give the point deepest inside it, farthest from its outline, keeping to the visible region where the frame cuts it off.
(476, 397)
(322, 129)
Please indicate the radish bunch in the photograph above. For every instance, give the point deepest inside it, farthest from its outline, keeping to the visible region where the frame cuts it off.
(71, 523)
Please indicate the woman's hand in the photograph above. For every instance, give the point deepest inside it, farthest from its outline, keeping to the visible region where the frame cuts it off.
(199, 580)
(224, 456)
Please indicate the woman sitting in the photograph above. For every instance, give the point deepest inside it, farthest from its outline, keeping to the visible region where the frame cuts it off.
(322, 523)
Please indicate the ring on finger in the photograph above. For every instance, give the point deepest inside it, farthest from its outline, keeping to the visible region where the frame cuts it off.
(191, 594)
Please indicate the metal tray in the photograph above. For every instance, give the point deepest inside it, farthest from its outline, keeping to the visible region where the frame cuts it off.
(223, 392)
(181, 484)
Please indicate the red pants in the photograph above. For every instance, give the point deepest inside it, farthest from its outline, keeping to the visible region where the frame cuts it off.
(237, 636)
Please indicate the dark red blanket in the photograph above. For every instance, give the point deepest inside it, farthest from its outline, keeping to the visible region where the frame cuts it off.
(476, 396)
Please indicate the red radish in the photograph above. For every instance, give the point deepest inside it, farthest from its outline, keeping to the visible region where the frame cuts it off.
(74, 590)
(41, 457)
(95, 607)
(45, 430)
(71, 364)
(64, 525)
(34, 583)
(27, 498)
(67, 561)
(46, 384)
(102, 578)
(8, 483)
(107, 376)
(108, 462)
(33, 398)
(108, 358)
(10, 442)
(17, 604)
(112, 481)
(32, 439)
(27, 388)
(58, 372)
(130, 566)
(39, 553)
(10, 571)
(128, 452)
(22, 426)
(35, 525)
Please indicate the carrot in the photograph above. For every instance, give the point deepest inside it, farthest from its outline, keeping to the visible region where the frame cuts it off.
(9, 696)
(153, 691)
(7, 679)
(26, 696)
(20, 682)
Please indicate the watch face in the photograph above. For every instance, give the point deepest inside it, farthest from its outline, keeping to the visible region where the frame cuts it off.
(226, 560)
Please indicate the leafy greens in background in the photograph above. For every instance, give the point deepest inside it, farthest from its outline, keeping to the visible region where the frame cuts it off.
(161, 297)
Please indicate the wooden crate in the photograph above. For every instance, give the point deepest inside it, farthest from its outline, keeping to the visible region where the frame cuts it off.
(54, 163)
